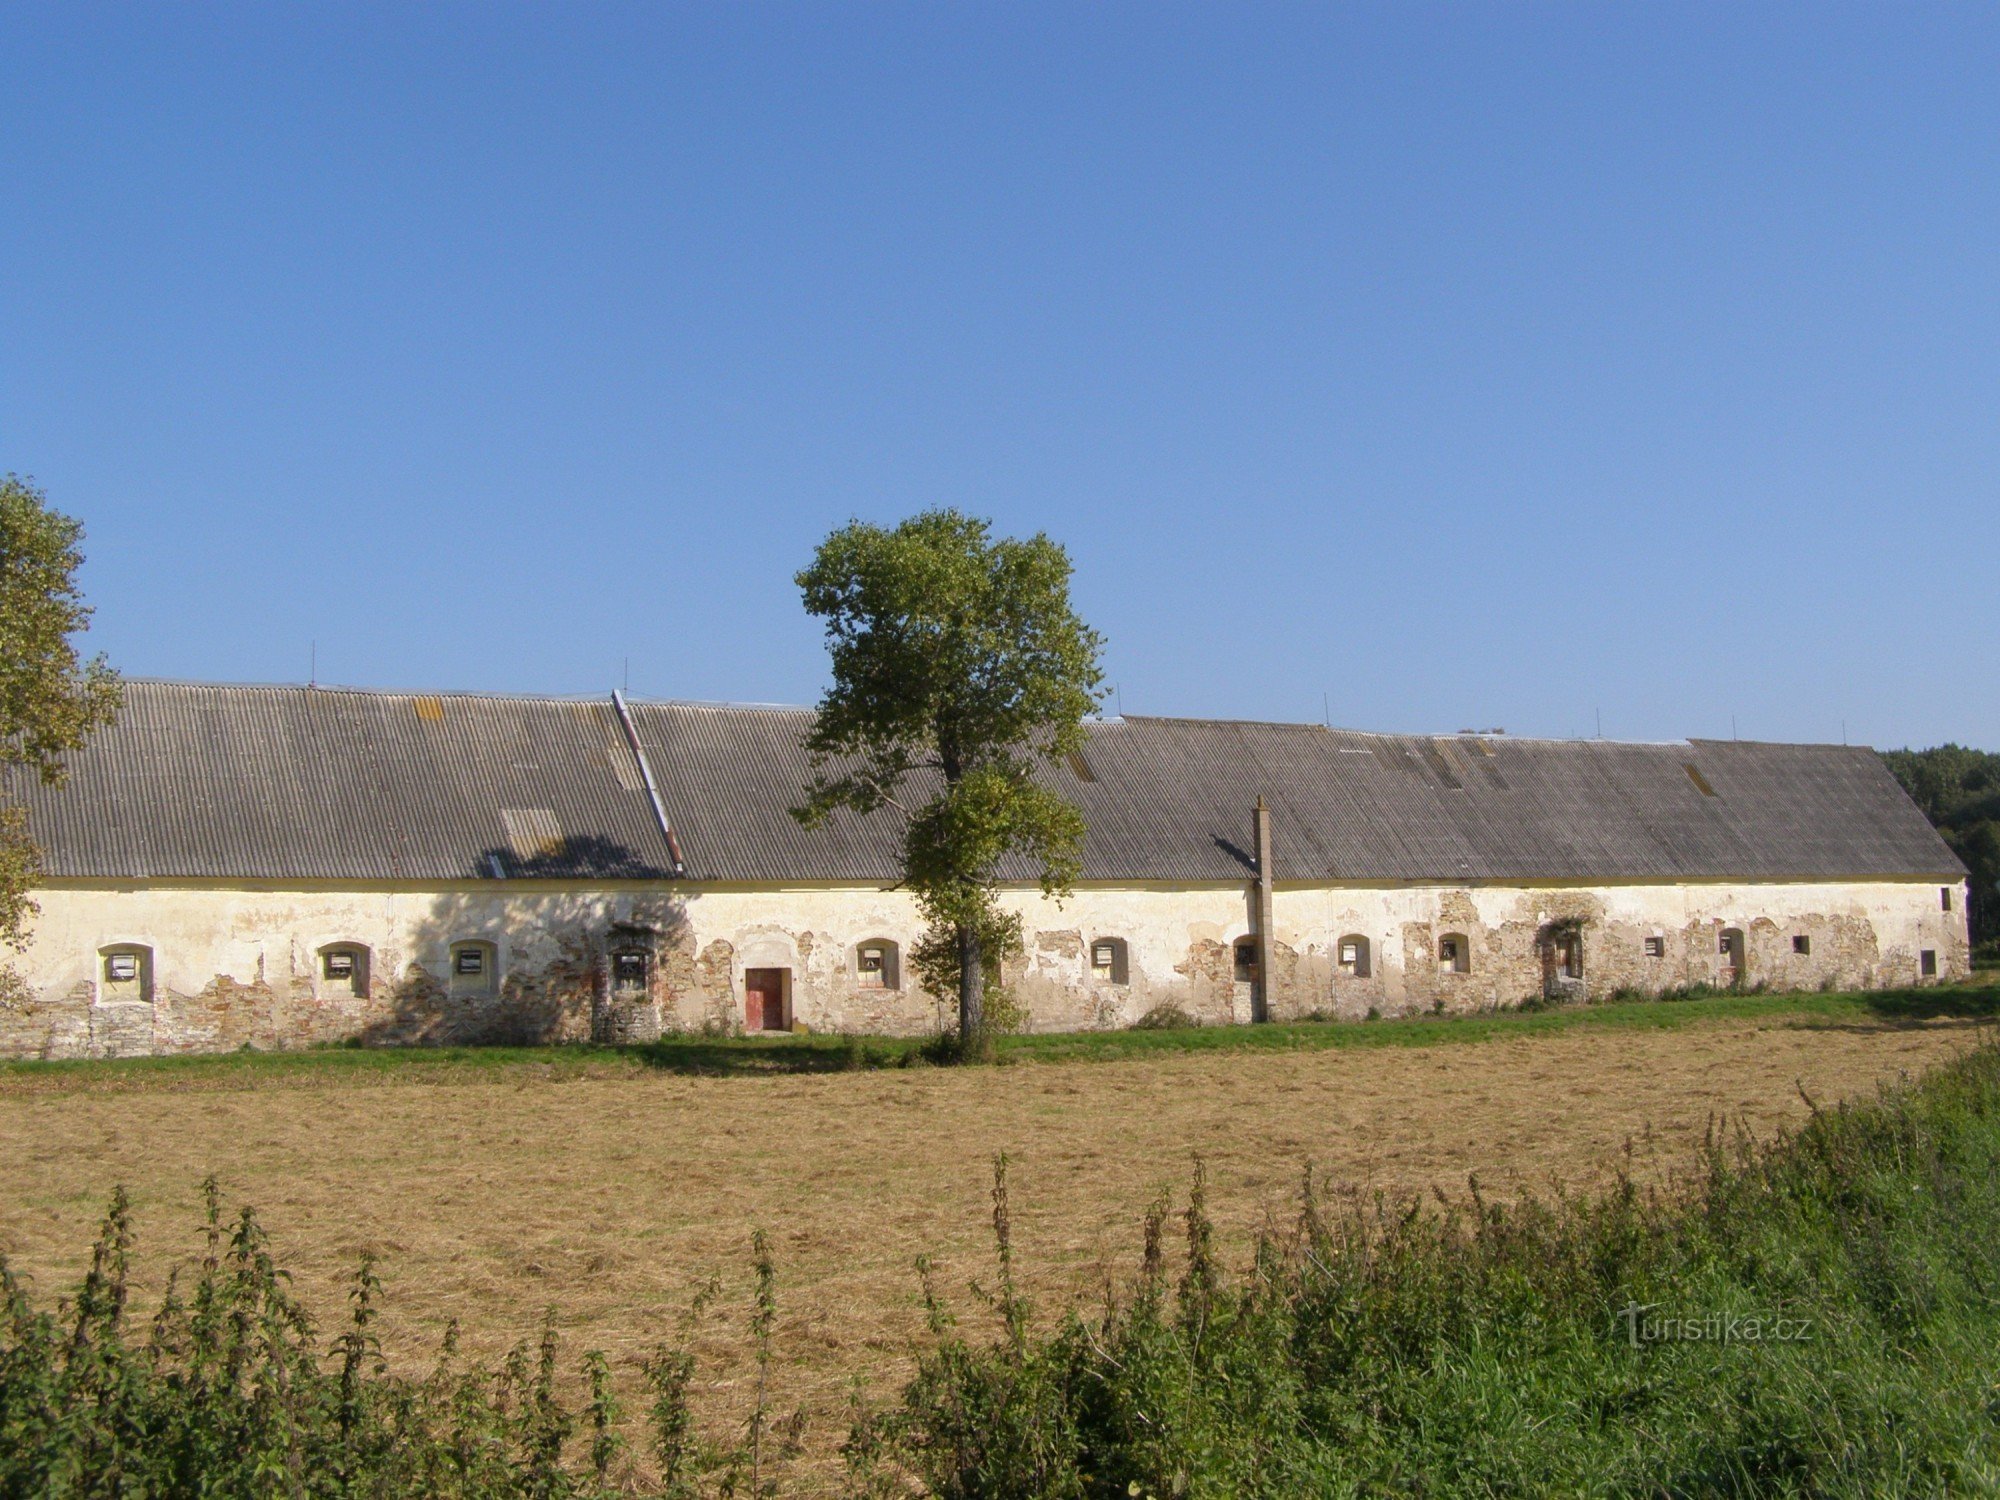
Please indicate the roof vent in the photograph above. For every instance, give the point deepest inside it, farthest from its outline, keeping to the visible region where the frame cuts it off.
(1700, 781)
(429, 708)
(1081, 766)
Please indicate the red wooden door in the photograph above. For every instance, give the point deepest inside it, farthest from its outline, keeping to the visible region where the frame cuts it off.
(764, 999)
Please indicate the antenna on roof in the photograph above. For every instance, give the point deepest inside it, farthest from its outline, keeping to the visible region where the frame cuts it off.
(312, 670)
(1326, 710)
(628, 675)
(1600, 722)
(1119, 693)
(1732, 726)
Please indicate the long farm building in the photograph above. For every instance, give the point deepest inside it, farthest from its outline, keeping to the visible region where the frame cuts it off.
(285, 866)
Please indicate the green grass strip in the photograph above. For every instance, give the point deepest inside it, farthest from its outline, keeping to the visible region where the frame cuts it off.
(713, 1056)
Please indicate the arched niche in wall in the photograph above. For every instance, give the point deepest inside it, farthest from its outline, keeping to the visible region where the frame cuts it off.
(1245, 965)
(343, 970)
(1731, 956)
(767, 950)
(1354, 956)
(1560, 944)
(631, 970)
(768, 970)
(125, 973)
(631, 954)
(474, 969)
(878, 964)
(1109, 961)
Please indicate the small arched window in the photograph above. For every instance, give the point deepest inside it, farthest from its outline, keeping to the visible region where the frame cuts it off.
(475, 968)
(1108, 963)
(1729, 946)
(1455, 953)
(1352, 954)
(877, 965)
(631, 971)
(1246, 960)
(343, 970)
(125, 972)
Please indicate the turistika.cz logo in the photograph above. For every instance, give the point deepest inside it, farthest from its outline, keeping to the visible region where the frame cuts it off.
(1644, 1323)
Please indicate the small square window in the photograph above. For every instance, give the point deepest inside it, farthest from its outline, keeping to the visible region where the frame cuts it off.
(1246, 962)
(629, 970)
(122, 967)
(1802, 944)
(1927, 963)
(1656, 947)
(1107, 961)
(469, 961)
(1944, 897)
(1448, 951)
(339, 966)
(878, 965)
(1352, 951)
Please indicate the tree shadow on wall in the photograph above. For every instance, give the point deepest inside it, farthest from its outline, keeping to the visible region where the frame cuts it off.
(544, 951)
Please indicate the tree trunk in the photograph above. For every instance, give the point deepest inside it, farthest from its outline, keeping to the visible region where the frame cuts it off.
(971, 988)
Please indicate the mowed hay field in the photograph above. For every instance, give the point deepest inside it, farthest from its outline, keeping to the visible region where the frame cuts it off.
(612, 1195)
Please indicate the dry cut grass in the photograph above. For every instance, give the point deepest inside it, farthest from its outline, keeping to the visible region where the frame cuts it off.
(612, 1198)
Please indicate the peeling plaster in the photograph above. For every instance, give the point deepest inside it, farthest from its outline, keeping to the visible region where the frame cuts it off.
(235, 967)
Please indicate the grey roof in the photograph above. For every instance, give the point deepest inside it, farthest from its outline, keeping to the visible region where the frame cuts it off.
(272, 783)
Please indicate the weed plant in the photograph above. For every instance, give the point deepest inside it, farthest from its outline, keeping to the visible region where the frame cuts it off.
(1816, 1317)
(226, 1392)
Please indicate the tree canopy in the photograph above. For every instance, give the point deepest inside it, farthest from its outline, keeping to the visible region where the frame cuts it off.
(959, 665)
(1959, 791)
(51, 702)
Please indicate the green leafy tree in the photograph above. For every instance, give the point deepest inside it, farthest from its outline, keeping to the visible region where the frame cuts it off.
(50, 702)
(1959, 791)
(959, 667)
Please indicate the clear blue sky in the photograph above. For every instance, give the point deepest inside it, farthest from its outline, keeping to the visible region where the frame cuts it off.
(1468, 366)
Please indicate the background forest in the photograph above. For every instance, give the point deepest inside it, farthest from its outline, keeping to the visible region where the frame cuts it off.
(1959, 791)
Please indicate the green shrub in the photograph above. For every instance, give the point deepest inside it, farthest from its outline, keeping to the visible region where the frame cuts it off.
(227, 1393)
(1370, 1346)
(1166, 1016)
(1574, 1345)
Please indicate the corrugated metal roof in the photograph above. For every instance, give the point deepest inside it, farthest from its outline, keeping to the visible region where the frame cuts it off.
(212, 781)
(325, 783)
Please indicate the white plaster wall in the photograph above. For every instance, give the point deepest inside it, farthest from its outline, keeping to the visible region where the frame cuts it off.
(266, 940)
(1902, 917)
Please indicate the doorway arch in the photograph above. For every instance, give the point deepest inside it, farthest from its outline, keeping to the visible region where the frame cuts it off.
(1735, 969)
